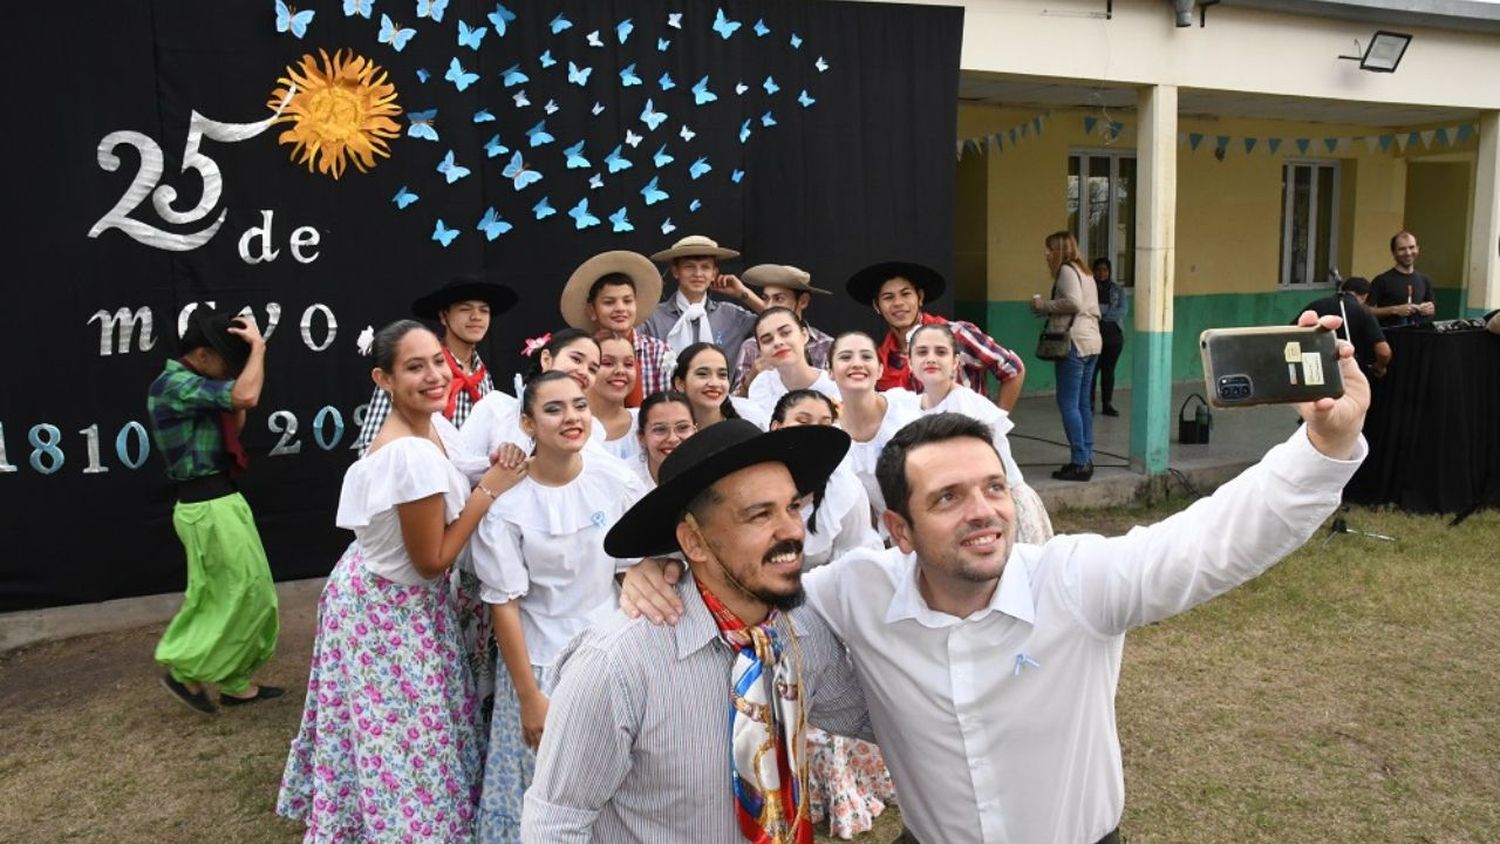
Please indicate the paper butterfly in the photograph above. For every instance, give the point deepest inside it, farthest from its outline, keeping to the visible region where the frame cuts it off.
(736, 176)
(288, 19)
(551, 107)
(694, 205)
(543, 209)
(666, 82)
(687, 134)
(460, 78)
(358, 7)
(724, 26)
(796, 41)
(770, 85)
(432, 9)
(661, 159)
(745, 130)
(662, 44)
(820, 64)
(623, 29)
(365, 340)
(621, 221)
(598, 109)
(701, 94)
(578, 75)
(500, 17)
(667, 226)
(615, 162)
(404, 197)
(651, 117)
(593, 39)
(546, 58)
(576, 161)
(470, 36)
(513, 76)
(493, 147)
(442, 234)
(674, 20)
(519, 174)
(422, 124)
(520, 98)
(804, 99)
(451, 170)
(483, 116)
(596, 182)
(767, 120)
(698, 168)
(538, 134)
(492, 225)
(393, 34)
(740, 88)
(582, 219)
(761, 30)
(652, 193)
(632, 139)
(423, 75)
(559, 23)
(628, 77)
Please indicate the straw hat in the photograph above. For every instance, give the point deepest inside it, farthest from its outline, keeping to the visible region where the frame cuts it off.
(784, 276)
(637, 267)
(694, 246)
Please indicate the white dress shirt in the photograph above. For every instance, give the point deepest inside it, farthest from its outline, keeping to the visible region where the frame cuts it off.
(1000, 727)
(768, 388)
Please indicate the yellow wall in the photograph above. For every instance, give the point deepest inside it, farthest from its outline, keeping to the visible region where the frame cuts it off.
(1437, 210)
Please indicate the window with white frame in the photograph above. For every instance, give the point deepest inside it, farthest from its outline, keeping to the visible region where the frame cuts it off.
(1309, 222)
(1101, 208)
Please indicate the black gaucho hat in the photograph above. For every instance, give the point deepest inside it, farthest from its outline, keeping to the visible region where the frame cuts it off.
(210, 328)
(809, 452)
(865, 284)
(462, 289)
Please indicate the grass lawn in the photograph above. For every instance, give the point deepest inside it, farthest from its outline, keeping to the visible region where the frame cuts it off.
(1350, 694)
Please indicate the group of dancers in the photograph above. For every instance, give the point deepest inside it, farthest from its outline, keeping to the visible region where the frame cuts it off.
(479, 519)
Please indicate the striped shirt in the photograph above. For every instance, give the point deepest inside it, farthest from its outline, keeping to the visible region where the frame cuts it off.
(978, 354)
(654, 361)
(380, 408)
(636, 747)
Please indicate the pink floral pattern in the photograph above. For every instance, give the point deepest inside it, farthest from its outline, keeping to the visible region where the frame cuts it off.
(849, 784)
(389, 746)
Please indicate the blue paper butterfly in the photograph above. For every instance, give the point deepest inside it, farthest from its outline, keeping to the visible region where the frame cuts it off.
(358, 7)
(667, 226)
(770, 85)
(576, 161)
(493, 147)
(596, 182)
(290, 20)
(761, 30)
(539, 135)
(519, 174)
(450, 169)
(724, 26)
(432, 9)
(582, 219)
(701, 94)
(593, 39)
(621, 221)
(483, 116)
(423, 75)
(674, 20)
(543, 209)
(500, 17)
(623, 29)
(745, 130)
(442, 234)
(694, 205)
(470, 36)
(615, 162)
(661, 159)
(698, 168)
(652, 193)
(651, 117)
(393, 34)
(520, 98)
(767, 120)
(512, 76)
(460, 78)
(404, 197)
(598, 108)
(628, 77)
(492, 225)
(804, 99)
(578, 75)
(662, 44)
(736, 176)
(422, 124)
(666, 82)
(796, 41)
(560, 23)
(820, 64)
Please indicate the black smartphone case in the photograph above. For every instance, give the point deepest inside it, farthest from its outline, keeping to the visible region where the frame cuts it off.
(1269, 365)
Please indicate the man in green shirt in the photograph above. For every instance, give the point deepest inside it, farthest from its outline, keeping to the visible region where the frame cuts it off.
(228, 624)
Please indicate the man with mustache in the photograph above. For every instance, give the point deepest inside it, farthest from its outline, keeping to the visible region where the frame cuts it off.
(991, 667)
(635, 747)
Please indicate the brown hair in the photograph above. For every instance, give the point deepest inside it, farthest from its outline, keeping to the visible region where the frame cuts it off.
(1064, 249)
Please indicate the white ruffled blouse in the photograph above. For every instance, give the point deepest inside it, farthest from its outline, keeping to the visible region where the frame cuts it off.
(963, 400)
(404, 469)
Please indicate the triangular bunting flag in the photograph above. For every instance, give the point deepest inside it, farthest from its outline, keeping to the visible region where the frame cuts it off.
(958, 149)
(1250, 145)
(1023, 129)
(1427, 137)
(1273, 144)
(1303, 144)
(1403, 140)
(1442, 137)
(1088, 125)
(1412, 138)
(1370, 143)
(1221, 143)
(1194, 139)
(1385, 142)
(998, 142)
(1463, 133)
(1036, 125)
(1331, 143)
(1116, 129)
(1012, 134)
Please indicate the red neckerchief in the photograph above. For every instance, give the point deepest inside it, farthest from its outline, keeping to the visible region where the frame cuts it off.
(637, 394)
(896, 372)
(239, 461)
(461, 383)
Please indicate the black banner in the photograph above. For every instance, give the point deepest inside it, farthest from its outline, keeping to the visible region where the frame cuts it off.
(159, 158)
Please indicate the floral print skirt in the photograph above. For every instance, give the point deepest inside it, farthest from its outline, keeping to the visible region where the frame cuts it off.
(389, 748)
(510, 763)
(1033, 524)
(849, 783)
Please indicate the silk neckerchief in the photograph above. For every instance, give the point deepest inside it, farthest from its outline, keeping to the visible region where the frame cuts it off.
(462, 383)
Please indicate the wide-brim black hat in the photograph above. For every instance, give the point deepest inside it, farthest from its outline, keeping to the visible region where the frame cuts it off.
(809, 452)
(463, 289)
(208, 327)
(864, 285)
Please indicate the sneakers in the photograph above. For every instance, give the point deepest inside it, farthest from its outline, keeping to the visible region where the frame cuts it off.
(197, 701)
(261, 693)
(1075, 472)
(1110, 411)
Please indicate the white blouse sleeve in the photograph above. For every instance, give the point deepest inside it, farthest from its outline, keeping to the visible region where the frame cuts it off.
(856, 530)
(499, 562)
(412, 469)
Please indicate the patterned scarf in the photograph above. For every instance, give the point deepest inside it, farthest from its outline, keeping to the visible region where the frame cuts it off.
(461, 383)
(768, 763)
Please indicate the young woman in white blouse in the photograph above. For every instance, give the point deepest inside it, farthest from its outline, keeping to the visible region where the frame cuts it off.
(870, 418)
(702, 374)
(610, 390)
(496, 418)
(666, 420)
(934, 362)
(389, 683)
(541, 562)
(783, 343)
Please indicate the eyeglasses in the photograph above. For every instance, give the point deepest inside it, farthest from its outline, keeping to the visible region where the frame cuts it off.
(681, 429)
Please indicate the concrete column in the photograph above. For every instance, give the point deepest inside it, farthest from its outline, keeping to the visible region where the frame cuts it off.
(1155, 258)
(1484, 235)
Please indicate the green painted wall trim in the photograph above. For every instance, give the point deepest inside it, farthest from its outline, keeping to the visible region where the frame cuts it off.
(1151, 419)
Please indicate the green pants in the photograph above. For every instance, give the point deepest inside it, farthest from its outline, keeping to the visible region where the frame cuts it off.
(227, 626)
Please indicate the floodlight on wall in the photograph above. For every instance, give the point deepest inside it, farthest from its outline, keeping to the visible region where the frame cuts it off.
(1384, 53)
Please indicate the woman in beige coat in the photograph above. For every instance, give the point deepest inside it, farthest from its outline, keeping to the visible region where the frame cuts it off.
(1073, 309)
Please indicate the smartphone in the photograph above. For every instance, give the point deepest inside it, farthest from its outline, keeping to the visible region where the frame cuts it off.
(1269, 365)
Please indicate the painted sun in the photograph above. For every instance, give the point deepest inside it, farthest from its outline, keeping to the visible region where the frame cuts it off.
(341, 112)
